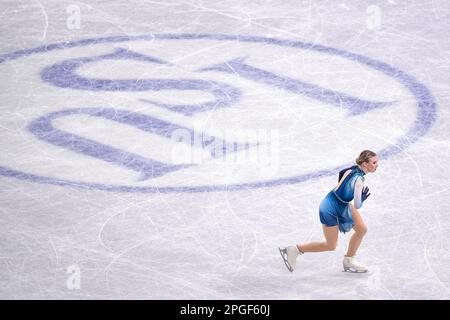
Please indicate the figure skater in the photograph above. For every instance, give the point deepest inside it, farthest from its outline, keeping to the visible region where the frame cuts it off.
(337, 213)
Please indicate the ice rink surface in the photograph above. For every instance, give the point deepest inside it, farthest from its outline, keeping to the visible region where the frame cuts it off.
(104, 196)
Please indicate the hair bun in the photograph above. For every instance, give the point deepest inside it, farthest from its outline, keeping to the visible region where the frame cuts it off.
(365, 156)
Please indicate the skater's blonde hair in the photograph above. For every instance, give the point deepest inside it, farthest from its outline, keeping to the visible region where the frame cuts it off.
(365, 156)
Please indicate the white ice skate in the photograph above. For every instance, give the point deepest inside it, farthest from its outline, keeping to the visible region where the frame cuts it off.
(351, 265)
(289, 255)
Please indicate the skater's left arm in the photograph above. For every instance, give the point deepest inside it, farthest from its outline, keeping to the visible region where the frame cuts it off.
(357, 197)
(361, 193)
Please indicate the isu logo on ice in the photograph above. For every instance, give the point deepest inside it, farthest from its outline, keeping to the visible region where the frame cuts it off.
(185, 113)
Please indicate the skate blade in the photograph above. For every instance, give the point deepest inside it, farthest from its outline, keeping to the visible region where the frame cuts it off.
(284, 257)
(354, 271)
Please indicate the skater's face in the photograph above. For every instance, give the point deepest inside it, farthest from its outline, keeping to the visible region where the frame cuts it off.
(372, 164)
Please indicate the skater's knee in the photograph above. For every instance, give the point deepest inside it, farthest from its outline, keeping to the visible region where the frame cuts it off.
(361, 229)
(331, 246)
(364, 230)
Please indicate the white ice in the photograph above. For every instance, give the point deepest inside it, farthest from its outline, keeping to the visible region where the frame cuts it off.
(61, 242)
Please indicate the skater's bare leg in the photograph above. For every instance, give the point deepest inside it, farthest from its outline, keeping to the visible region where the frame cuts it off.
(360, 230)
(331, 236)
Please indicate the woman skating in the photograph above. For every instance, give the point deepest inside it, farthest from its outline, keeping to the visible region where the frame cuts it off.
(337, 213)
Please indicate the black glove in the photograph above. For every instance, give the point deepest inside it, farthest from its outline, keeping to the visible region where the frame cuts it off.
(365, 194)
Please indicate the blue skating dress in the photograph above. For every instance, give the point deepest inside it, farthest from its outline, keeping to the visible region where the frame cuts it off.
(334, 208)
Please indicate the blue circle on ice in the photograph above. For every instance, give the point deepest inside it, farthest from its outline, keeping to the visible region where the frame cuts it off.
(426, 110)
